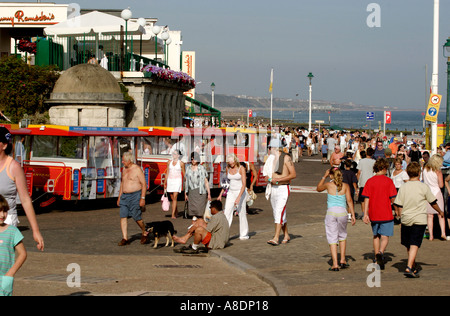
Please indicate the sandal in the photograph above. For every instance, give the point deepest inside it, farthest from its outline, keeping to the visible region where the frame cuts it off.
(344, 265)
(285, 241)
(273, 242)
(333, 269)
(409, 273)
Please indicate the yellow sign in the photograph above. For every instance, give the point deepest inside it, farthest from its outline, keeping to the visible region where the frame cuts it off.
(433, 108)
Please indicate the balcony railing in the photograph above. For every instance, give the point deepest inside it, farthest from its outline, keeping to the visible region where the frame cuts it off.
(70, 51)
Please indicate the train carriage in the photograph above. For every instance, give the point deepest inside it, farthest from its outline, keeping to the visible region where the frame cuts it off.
(82, 163)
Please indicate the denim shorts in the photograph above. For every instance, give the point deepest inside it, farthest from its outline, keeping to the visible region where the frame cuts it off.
(383, 228)
(129, 205)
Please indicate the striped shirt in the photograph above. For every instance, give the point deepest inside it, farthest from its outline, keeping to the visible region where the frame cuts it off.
(9, 238)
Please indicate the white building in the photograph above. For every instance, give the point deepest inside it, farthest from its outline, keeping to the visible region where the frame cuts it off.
(28, 20)
(18, 20)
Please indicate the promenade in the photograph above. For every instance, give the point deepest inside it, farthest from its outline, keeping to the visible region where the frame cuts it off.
(87, 235)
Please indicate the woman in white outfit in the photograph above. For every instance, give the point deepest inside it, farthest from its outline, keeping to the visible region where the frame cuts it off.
(432, 176)
(237, 195)
(174, 179)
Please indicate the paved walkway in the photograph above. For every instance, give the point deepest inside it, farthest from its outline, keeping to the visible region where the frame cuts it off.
(84, 240)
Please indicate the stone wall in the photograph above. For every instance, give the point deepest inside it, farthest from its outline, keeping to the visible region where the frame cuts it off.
(88, 115)
(157, 103)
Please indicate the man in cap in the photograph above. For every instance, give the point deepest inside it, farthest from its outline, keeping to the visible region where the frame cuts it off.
(279, 171)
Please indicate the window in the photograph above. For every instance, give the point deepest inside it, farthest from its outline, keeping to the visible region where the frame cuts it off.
(58, 147)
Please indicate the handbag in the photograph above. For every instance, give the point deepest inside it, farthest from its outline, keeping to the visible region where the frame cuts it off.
(165, 202)
(225, 185)
(251, 197)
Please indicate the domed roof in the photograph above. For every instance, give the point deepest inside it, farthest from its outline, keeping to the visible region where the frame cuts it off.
(87, 82)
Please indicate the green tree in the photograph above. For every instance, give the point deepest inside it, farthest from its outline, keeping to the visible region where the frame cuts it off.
(24, 88)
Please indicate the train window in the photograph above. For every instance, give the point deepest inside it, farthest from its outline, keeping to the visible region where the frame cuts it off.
(240, 139)
(70, 147)
(164, 145)
(120, 146)
(45, 146)
(58, 147)
(100, 155)
(147, 145)
(20, 149)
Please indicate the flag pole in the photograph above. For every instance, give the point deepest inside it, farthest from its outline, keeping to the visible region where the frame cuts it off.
(271, 96)
(434, 79)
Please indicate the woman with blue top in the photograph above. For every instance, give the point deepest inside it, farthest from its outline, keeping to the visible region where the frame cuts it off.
(338, 198)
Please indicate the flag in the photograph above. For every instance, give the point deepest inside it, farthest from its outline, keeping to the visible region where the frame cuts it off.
(271, 81)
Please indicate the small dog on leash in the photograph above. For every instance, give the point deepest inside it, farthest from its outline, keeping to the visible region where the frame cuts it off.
(161, 229)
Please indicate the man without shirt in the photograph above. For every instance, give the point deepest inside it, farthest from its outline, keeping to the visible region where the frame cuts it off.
(131, 197)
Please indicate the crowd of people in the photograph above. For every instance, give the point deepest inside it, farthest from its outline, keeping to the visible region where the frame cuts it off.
(384, 176)
(393, 179)
(364, 169)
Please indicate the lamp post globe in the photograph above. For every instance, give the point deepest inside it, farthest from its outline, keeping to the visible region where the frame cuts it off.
(126, 14)
(156, 29)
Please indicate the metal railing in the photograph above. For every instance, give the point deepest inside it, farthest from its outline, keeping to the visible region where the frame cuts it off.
(66, 52)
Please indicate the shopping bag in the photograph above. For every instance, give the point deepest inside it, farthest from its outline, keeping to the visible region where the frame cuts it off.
(165, 202)
(207, 215)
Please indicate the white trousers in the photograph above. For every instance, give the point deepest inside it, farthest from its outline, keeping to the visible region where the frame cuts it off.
(229, 208)
(278, 199)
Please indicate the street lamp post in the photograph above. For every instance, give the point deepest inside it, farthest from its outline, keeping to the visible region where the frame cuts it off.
(310, 76)
(446, 52)
(165, 37)
(156, 30)
(126, 14)
(213, 86)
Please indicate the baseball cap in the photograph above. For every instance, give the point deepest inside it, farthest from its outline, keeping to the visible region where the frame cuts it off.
(275, 143)
(5, 135)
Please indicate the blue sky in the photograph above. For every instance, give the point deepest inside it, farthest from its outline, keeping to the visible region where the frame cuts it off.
(238, 42)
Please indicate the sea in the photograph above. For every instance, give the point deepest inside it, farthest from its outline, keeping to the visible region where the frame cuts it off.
(404, 120)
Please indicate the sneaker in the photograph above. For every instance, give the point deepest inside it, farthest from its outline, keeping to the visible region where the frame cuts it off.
(187, 250)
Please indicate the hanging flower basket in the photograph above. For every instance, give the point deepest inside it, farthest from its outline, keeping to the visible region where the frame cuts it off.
(169, 75)
(27, 46)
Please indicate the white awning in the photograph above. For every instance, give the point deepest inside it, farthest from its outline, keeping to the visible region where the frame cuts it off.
(92, 23)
